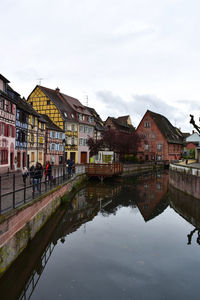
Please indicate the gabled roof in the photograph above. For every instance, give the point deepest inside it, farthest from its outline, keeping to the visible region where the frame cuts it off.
(67, 105)
(169, 132)
(121, 123)
(50, 125)
(97, 119)
(4, 79)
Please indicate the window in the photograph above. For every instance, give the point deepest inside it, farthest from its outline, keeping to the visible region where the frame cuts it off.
(80, 142)
(4, 156)
(147, 124)
(32, 138)
(146, 147)
(81, 128)
(153, 135)
(73, 127)
(85, 129)
(41, 140)
(33, 120)
(72, 116)
(2, 129)
(147, 135)
(10, 130)
(53, 134)
(90, 119)
(80, 117)
(40, 156)
(60, 147)
(159, 157)
(32, 156)
(6, 104)
(159, 147)
(53, 146)
(48, 102)
(2, 103)
(72, 140)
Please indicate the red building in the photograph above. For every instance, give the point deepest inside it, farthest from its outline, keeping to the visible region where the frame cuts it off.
(160, 140)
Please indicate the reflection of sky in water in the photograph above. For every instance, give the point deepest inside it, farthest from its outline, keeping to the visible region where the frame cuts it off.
(122, 257)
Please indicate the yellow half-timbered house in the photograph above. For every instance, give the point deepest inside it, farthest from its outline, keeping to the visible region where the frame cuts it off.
(54, 105)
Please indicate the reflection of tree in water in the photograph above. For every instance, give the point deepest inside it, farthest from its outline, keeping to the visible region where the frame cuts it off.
(190, 235)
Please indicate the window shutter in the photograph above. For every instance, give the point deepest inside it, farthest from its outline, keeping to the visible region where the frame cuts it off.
(0, 128)
(13, 131)
(50, 134)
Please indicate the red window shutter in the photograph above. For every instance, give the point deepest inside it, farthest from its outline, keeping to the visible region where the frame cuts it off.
(13, 131)
(0, 128)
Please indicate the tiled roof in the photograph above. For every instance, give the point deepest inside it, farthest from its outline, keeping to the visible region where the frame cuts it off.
(67, 105)
(171, 133)
(121, 123)
(97, 119)
(4, 79)
(50, 124)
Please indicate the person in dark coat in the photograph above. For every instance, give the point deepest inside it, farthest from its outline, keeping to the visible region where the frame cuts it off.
(36, 177)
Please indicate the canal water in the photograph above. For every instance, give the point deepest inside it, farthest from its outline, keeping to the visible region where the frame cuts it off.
(134, 238)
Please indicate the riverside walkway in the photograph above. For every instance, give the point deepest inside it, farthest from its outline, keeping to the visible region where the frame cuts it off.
(14, 193)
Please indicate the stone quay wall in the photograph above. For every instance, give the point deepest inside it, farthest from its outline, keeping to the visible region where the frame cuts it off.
(185, 179)
(134, 169)
(22, 224)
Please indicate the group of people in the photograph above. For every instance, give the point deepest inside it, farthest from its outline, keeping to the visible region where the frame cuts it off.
(35, 173)
(70, 167)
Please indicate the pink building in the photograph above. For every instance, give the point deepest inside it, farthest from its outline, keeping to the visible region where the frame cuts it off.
(7, 128)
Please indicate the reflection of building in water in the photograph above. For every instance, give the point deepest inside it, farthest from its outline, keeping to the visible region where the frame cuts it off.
(151, 192)
(188, 208)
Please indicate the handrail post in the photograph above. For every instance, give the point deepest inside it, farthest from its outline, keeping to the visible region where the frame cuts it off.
(25, 191)
(13, 190)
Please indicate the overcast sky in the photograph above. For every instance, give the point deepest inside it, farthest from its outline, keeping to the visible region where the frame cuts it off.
(127, 56)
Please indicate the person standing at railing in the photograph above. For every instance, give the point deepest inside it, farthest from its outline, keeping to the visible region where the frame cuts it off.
(24, 174)
(36, 177)
(48, 172)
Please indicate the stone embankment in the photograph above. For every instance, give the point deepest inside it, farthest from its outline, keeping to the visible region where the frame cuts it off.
(185, 178)
(21, 225)
(134, 169)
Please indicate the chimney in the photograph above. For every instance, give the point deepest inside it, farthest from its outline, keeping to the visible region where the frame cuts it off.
(57, 90)
(192, 131)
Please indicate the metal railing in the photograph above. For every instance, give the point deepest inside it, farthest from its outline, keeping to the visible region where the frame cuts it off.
(14, 193)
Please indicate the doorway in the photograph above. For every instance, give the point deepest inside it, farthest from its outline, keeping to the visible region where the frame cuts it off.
(83, 157)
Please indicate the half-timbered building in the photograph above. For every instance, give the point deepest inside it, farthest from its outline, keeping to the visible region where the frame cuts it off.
(36, 139)
(67, 113)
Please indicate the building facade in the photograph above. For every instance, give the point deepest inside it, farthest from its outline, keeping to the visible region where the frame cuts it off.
(7, 128)
(53, 104)
(36, 139)
(67, 113)
(160, 140)
(54, 143)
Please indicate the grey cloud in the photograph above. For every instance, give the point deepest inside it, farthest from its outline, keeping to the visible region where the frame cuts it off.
(114, 105)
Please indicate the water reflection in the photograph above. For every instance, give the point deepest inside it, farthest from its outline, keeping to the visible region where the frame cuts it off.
(147, 193)
(189, 209)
